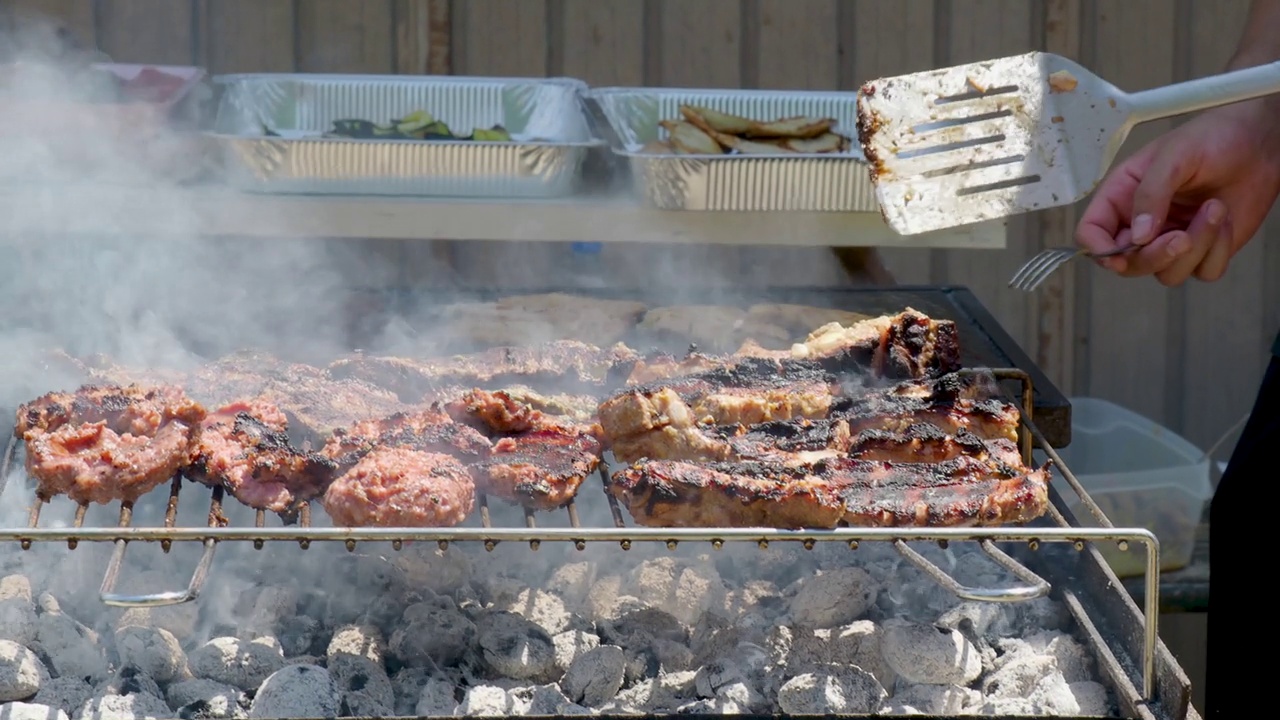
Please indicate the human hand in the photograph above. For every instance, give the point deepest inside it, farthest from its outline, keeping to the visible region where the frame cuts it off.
(1191, 198)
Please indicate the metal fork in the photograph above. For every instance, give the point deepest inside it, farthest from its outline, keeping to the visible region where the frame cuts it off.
(1039, 268)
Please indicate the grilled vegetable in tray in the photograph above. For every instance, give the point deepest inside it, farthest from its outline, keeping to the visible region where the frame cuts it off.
(704, 131)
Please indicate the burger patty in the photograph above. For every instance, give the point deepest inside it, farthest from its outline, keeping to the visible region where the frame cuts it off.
(401, 487)
(106, 443)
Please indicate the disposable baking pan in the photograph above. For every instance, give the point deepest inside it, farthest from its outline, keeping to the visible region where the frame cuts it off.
(827, 182)
(271, 128)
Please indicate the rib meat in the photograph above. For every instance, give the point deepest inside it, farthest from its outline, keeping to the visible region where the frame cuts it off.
(244, 447)
(561, 363)
(678, 420)
(402, 487)
(753, 390)
(106, 443)
(903, 346)
(963, 491)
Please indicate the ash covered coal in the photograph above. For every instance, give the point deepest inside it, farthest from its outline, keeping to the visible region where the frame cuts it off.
(283, 632)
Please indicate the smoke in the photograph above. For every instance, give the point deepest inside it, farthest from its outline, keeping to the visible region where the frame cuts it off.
(174, 298)
(71, 146)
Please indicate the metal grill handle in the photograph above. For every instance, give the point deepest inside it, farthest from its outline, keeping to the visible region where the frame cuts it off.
(1038, 587)
(172, 597)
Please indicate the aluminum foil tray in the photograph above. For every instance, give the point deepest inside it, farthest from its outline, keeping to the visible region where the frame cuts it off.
(801, 182)
(551, 136)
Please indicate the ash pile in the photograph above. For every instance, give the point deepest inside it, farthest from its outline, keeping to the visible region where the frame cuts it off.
(463, 632)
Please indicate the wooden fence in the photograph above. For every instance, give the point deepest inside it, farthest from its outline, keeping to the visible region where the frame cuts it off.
(1188, 357)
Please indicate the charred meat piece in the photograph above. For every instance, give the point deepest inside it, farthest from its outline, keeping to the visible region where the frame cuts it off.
(928, 443)
(640, 421)
(574, 407)
(537, 461)
(963, 491)
(987, 418)
(430, 431)
(754, 390)
(903, 346)
(401, 487)
(561, 363)
(492, 411)
(811, 440)
(660, 366)
(540, 468)
(244, 447)
(106, 443)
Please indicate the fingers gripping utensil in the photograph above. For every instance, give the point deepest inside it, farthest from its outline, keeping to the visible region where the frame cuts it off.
(1002, 137)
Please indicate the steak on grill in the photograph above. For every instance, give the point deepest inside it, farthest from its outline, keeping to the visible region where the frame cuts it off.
(753, 390)
(963, 491)
(106, 443)
(679, 420)
(244, 447)
(902, 346)
(919, 441)
(537, 461)
(401, 487)
(562, 364)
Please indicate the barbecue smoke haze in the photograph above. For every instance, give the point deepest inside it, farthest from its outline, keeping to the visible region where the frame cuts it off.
(169, 299)
(174, 299)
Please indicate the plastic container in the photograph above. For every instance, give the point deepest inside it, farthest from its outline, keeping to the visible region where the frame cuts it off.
(1140, 474)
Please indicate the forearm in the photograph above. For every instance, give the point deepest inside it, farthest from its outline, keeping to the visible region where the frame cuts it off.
(1260, 42)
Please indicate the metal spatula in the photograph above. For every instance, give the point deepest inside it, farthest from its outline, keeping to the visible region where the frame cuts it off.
(1003, 137)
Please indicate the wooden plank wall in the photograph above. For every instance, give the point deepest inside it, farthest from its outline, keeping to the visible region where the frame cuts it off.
(1187, 357)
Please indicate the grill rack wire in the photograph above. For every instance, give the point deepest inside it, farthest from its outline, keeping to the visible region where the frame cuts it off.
(298, 529)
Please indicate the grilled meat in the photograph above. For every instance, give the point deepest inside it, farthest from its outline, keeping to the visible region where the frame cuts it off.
(566, 406)
(537, 461)
(751, 391)
(670, 419)
(812, 439)
(950, 404)
(401, 487)
(244, 447)
(898, 347)
(314, 403)
(429, 430)
(963, 491)
(563, 363)
(540, 469)
(106, 443)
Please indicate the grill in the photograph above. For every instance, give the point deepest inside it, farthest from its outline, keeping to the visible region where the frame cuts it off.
(1052, 557)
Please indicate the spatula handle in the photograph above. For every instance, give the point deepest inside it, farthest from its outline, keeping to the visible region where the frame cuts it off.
(1206, 92)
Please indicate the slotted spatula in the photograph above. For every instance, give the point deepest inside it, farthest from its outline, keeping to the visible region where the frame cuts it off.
(1002, 137)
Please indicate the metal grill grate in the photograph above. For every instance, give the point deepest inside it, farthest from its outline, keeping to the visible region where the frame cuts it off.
(301, 531)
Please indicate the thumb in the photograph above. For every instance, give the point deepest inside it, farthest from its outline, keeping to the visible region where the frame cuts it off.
(1167, 173)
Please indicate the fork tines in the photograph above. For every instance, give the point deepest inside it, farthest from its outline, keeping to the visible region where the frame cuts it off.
(1039, 268)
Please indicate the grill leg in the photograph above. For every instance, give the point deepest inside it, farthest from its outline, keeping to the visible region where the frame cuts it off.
(174, 597)
(1036, 587)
